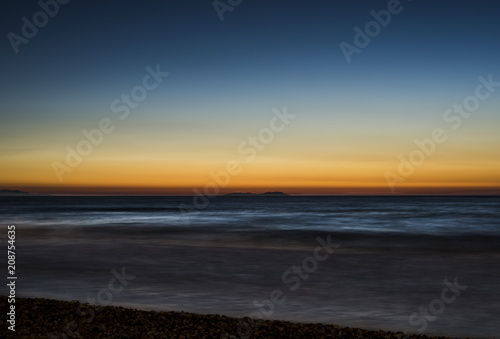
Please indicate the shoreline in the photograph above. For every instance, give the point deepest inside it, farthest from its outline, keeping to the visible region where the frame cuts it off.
(50, 318)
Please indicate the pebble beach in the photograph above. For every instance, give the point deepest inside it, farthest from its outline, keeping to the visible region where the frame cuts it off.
(47, 318)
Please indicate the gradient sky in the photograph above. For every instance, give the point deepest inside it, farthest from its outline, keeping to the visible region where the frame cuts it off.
(353, 120)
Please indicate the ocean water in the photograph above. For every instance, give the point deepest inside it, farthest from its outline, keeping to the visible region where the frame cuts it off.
(416, 264)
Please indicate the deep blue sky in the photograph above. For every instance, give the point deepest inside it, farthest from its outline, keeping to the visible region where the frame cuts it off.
(274, 47)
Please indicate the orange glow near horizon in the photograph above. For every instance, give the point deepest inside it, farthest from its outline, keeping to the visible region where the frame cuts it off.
(309, 179)
(294, 162)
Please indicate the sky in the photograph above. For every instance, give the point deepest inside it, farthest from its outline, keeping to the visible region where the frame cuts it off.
(306, 97)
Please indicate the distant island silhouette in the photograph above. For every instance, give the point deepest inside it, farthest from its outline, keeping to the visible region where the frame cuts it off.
(12, 192)
(16, 193)
(249, 194)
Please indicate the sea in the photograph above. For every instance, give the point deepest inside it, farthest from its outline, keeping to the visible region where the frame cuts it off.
(417, 264)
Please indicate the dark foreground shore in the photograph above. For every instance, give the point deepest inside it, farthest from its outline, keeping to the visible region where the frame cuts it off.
(45, 318)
